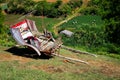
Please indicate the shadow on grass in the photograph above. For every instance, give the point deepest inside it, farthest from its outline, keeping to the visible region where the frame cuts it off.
(26, 52)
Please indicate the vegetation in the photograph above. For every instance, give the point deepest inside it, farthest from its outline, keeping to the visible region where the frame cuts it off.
(92, 8)
(111, 17)
(19, 65)
(89, 30)
(4, 33)
(89, 35)
(44, 8)
(24, 6)
(96, 30)
(108, 10)
(1, 20)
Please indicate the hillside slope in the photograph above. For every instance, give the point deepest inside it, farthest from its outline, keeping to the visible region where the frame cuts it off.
(20, 64)
(76, 13)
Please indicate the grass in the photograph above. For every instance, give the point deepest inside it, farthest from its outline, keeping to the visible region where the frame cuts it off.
(88, 31)
(45, 22)
(19, 64)
(12, 19)
(89, 35)
(16, 67)
(82, 21)
(78, 21)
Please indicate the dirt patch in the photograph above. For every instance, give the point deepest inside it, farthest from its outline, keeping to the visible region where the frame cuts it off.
(10, 57)
(48, 68)
(110, 69)
(107, 68)
(102, 66)
(64, 1)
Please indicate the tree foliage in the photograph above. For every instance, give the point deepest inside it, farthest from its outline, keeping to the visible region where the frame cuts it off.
(75, 3)
(92, 8)
(110, 11)
(45, 8)
(20, 6)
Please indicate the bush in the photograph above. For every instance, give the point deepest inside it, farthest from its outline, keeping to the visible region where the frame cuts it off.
(92, 8)
(89, 11)
(88, 36)
(5, 38)
(89, 32)
(44, 8)
(112, 48)
(1, 21)
(20, 6)
(65, 10)
(75, 3)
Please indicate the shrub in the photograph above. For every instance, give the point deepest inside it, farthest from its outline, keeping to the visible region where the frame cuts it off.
(1, 21)
(89, 32)
(89, 11)
(65, 9)
(75, 3)
(112, 48)
(20, 6)
(43, 7)
(5, 38)
(88, 36)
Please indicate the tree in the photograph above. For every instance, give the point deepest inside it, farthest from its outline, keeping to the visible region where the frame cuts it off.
(65, 9)
(20, 6)
(58, 3)
(110, 10)
(42, 8)
(75, 3)
(92, 8)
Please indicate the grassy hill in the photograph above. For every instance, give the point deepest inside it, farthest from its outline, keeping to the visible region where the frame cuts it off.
(18, 63)
(88, 32)
(21, 64)
(77, 22)
(12, 19)
(40, 21)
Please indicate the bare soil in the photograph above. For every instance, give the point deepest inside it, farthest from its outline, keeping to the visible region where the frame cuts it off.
(106, 67)
(10, 57)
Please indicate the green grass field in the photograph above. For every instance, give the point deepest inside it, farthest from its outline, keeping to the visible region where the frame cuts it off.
(14, 66)
(47, 23)
(88, 32)
(20, 64)
(77, 22)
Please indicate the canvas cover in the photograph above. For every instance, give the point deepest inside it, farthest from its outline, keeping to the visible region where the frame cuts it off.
(23, 30)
